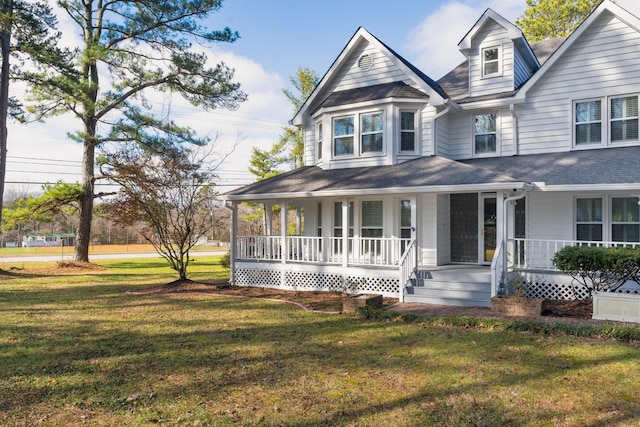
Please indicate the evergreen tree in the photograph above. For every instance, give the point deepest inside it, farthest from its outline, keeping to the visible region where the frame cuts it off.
(143, 45)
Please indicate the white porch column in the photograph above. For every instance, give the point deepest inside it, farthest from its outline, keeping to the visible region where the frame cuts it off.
(345, 232)
(233, 232)
(283, 232)
(413, 200)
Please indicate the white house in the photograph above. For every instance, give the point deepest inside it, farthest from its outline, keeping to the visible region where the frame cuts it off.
(432, 191)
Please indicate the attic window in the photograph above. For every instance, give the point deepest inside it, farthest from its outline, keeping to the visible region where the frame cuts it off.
(365, 62)
(490, 61)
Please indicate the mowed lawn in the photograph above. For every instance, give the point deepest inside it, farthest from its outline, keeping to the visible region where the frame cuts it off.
(75, 349)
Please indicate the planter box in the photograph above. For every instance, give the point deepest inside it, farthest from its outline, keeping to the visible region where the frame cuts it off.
(351, 303)
(619, 307)
(518, 306)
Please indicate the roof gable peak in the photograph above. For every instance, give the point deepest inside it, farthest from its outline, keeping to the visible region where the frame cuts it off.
(488, 15)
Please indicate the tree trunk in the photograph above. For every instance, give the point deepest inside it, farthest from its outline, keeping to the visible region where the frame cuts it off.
(83, 235)
(5, 46)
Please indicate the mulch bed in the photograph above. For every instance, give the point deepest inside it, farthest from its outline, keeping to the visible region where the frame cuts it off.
(329, 301)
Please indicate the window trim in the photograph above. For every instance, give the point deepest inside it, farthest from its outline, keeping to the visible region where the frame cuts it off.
(494, 153)
(415, 131)
(483, 62)
(605, 123)
(357, 134)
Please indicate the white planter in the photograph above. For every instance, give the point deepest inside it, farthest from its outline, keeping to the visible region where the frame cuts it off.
(613, 306)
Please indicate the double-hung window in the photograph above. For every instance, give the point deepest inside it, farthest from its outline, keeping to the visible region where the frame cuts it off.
(589, 219)
(624, 119)
(371, 225)
(343, 134)
(407, 131)
(371, 129)
(319, 140)
(485, 133)
(625, 219)
(490, 61)
(588, 122)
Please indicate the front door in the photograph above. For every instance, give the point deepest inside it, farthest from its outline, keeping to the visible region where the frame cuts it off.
(488, 216)
(473, 227)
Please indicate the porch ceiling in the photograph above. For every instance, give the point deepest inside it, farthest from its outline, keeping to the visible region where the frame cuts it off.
(426, 174)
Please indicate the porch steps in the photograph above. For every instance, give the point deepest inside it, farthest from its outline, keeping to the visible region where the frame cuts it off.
(460, 286)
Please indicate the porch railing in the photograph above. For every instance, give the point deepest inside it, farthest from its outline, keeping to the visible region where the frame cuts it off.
(537, 254)
(384, 251)
(408, 267)
(497, 269)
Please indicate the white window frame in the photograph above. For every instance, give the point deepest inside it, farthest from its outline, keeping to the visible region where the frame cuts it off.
(361, 214)
(634, 200)
(611, 120)
(607, 222)
(484, 63)
(357, 134)
(319, 136)
(494, 153)
(603, 217)
(363, 133)
(414, 131)
(602, 121)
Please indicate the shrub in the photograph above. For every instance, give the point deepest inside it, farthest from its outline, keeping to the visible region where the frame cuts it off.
(226, 260)
(598, 268)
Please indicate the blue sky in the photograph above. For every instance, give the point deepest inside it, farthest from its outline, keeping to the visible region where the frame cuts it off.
(277, 37)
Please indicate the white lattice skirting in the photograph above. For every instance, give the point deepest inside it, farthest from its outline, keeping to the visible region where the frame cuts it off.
(319, 278)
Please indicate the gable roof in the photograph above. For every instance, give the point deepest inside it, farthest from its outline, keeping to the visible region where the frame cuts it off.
(513, 32)
(428, 85)
(604, 6)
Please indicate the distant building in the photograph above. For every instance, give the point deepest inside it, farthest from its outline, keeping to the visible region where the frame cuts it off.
(48, 239)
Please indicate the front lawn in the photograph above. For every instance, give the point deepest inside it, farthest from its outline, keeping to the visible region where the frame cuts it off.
(75, 349)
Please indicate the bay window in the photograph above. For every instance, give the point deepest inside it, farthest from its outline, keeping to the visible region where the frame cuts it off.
(371, 132)
(343, 132)
(319, 140)
(367, 128)
(407, 131)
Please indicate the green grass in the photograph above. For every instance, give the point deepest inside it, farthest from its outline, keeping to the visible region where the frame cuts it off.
(76, 350)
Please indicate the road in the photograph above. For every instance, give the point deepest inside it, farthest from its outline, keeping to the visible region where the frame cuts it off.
(49, 258)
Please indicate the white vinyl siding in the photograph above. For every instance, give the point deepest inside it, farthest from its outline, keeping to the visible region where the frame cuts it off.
(602, 63)
(521, 71)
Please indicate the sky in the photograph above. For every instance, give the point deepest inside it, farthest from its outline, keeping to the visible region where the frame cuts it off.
(276, 37)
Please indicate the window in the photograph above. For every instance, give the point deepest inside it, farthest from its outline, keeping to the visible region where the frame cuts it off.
(343, 132)
(319, 220)
(407, 131)
(625, 219)
(624, 118)
(371, 132)
(485, 134)
(405, 219)
(490, 61)
(588, 122)
(371, 225)
(319, 142)
(589, 219)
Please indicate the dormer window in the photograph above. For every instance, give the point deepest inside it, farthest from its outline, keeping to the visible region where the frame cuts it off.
(491, 61)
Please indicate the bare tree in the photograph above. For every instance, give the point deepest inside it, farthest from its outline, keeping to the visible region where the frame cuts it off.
(162, 189)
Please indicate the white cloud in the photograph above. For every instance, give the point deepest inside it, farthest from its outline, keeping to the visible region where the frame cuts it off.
(433, 43)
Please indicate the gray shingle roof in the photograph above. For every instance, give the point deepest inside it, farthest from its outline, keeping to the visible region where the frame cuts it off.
(585, 167)
(370, 93)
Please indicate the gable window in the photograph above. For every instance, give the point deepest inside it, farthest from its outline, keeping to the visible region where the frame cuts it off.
(371, 132)
(624, 118)
(319, 141)
(490, 61)
(484, 133)
(625, 219)
(343, 133)
(588, 122)
(407, 131)
(589, 219)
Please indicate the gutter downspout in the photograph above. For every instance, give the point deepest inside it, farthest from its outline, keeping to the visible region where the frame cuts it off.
(516, 141)
(434, 126)
(233, 230)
